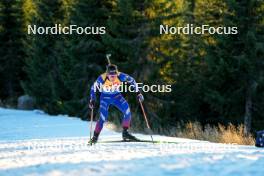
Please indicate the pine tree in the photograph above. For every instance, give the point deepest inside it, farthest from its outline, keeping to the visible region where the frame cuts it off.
(42, 65)
(235, 69)
(182, 59)
(127, 35)
(131, 28)
(11, 48)
(83, 56)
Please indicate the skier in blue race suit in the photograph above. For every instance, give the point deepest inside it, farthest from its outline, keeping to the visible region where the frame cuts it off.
(110, 95)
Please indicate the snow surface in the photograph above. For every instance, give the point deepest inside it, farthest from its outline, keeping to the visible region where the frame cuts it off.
(34, 143)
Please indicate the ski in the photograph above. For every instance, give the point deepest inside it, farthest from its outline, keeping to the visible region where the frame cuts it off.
(138, 141)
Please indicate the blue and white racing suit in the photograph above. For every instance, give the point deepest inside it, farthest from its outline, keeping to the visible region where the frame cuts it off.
(113, 97)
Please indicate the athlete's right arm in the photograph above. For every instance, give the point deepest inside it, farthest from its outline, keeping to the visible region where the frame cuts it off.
(96, 87)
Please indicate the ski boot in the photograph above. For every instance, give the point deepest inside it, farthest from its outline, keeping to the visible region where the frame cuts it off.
(127, 136)
(94, 138)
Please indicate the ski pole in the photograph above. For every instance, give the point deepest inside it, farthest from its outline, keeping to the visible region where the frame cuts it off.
(146, 119)
(91, 124)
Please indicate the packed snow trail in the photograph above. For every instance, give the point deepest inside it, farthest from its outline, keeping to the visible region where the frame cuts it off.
(34, 143)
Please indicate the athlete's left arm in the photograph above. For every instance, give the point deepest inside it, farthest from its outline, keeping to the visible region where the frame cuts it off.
(126, 78)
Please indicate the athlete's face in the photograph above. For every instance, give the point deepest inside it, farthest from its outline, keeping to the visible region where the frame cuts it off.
(112, 77)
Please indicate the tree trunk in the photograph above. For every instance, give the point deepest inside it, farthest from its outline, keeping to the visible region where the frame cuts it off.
(10, 89)
(251, 89)
(248, 111)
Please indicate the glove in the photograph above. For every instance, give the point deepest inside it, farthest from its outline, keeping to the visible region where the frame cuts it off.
(92, 104)
(140, 97)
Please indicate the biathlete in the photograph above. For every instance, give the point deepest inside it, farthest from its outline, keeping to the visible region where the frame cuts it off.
(112, 78)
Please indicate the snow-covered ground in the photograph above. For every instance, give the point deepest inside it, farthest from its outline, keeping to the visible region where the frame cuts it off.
(34, 143)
